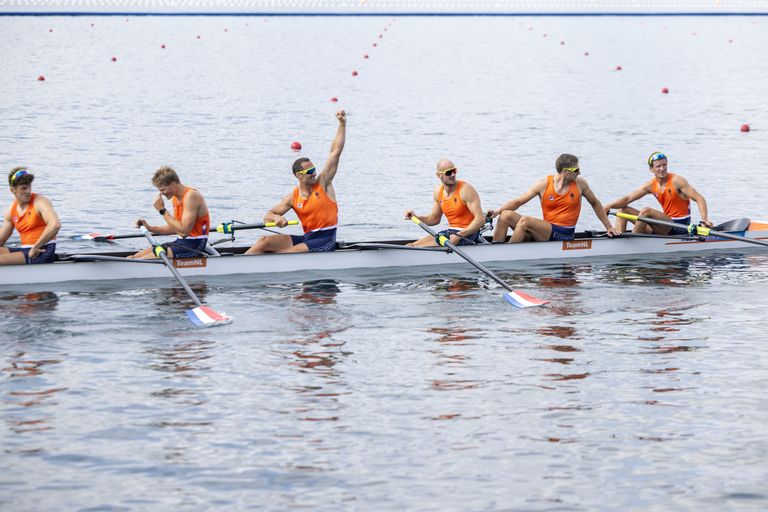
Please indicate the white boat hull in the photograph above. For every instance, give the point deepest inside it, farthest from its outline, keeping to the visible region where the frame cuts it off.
(345, 259)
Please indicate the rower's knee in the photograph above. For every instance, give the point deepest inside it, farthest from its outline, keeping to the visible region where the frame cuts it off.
(645, 212)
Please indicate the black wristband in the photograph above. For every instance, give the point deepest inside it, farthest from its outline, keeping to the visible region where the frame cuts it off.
(162, 211)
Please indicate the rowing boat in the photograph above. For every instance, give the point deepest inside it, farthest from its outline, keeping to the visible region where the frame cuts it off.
(367, 255)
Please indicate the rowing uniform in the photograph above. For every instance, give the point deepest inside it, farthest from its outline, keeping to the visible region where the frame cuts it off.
(458, 214)
(561, 211)
(319, 215)
(192, 245)
(30, 225)
(674, 206)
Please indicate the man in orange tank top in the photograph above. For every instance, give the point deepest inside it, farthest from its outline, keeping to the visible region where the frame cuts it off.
(33, 216)
(673, 192)
(190, 219)
(560, 202)
(459, 202)
(314, 202)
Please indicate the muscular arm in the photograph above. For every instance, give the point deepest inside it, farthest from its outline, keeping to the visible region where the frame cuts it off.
(434, 216)
(7, 228)
(472, 199)
(597, 206)
(688, 191)
(52, 223)
(275, 214)
(629, 198)
(536, 190)
(337, 146)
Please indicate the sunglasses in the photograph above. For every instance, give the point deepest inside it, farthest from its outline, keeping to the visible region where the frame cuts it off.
(311, 170)
(18, 174)
(449, 172)
(656, 156)
(572, 169)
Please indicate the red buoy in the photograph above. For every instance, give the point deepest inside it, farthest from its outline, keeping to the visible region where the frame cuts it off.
(365, 56)
(664, 90)
(162, 46)
(745, 128)
(586, 54)
(730, 40)
(380, 36)
(618, 68)
(41, 78)
(334, 99)
(375, 45)
(198, 37)
(562, 42)
(114, 59)
(543, 35)
(354, 73)
(296, 145)
(50, 30)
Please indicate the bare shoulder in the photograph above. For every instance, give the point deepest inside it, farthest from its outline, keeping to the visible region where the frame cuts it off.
(42, 201)
(679, 181)
(582, 183)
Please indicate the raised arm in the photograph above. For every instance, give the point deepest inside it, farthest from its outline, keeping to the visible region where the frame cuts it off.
(337, 146)
(52, 224)
(597, 206)
(275, 214)
(690, 192)
(536, 190)
(434, 216)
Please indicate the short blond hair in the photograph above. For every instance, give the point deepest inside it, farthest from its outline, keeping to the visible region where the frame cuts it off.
(164, 176)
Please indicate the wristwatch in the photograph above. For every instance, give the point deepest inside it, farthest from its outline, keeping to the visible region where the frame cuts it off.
(162, 211)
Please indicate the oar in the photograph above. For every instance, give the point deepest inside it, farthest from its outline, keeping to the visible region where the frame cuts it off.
(514, 297)
(228, 228)
(691, 228)
(98, 237)
(201, 316)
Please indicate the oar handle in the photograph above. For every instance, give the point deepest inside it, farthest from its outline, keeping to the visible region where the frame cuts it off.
(693, 229)
(230, 227)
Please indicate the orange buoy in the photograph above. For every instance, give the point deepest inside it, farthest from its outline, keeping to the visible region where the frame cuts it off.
(745, 128)
(354, 73)
(41, 78)
(664, 90)
(296, 145)
(114, 59)
(334, 99)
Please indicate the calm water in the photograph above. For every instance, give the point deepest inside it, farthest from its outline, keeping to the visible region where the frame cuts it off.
(640, 387)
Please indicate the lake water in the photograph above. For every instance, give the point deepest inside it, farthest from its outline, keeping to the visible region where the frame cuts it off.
(641, 387)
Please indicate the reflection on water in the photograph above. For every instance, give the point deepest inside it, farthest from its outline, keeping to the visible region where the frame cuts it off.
(28, 304)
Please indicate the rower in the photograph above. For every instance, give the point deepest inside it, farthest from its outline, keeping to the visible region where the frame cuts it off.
(560, 203)
(459, 202)
(190, 219)
(33, 216)
(313, 200)
(674, 194)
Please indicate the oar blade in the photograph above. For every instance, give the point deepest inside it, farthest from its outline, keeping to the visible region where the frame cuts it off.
(203, 316)
(98, 237)
(523, 300)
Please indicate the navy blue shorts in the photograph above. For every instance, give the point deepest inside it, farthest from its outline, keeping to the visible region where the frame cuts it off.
(47, 255)
(187, 247)
(561, 233)
(683, 222)
(318, 241)
(467, 240)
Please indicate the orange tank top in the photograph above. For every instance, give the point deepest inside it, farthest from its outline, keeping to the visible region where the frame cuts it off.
(318, 211)
(673, 205)
(202, 224)
(455, 210)
(562, 210)
(29, 224)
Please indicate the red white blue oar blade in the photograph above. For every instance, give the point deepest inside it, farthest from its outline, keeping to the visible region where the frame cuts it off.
(523, 300)
(204, 316)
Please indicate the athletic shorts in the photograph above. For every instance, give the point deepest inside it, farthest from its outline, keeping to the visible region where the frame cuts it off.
(683, 222)
(323, 240)
(47, 255)
(562, 233)
(467, 240)
(187, 247)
